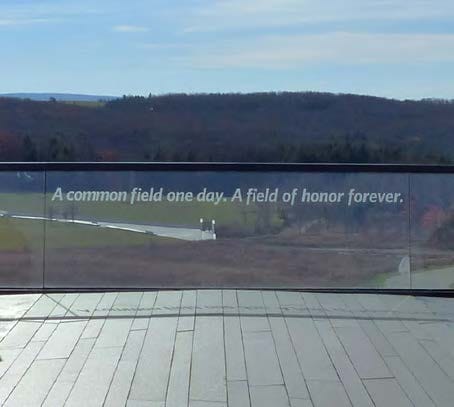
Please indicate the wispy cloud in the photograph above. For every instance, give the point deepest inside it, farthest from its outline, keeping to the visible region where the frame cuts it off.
(130, 28)
(203, 45)
(299, 51)
(215, 15)
(165, 45)
(13, 13)
(24, 21)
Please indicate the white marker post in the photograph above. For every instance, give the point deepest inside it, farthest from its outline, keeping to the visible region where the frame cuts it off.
(201, 228)
(213, 228)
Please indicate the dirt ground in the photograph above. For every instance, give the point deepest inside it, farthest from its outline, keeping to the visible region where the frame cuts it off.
(223, 263)
(266, 261)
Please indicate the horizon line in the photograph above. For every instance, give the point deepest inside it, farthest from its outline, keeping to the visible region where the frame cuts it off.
(23, 94)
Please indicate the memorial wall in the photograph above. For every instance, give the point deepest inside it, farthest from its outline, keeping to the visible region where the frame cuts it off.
(226, 229)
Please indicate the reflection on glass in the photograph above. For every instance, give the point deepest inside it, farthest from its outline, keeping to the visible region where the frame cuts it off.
(432, 230)
(21, 229)
(226, 229)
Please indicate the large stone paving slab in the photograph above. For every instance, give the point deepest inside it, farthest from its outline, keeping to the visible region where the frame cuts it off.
(226, 348)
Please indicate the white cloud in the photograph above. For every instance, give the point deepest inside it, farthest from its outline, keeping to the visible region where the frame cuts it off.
(130, 29)
(297, 51)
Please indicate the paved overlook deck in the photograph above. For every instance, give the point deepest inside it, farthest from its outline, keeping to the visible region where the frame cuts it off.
(226, 348)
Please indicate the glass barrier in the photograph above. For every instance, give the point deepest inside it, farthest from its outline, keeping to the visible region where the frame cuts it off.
(21, 229)
(226, 229)
(432, 231)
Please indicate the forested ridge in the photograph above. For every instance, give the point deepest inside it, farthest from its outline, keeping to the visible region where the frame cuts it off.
(270, 127)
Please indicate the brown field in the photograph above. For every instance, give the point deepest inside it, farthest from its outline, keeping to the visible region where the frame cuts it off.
(223, 263)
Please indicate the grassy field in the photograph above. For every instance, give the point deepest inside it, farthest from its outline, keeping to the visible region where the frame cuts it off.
(27, 203)
(160, 212)
(125, 258)
(61, 235)
(24, 235)
(16, 235)
(227, 214)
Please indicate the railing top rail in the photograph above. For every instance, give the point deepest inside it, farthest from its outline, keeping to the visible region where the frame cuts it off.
(224, 166)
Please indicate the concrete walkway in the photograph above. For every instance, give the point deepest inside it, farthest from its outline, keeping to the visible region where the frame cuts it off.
(226, 348)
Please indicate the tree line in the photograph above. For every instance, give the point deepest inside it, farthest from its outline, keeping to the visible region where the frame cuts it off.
(259, 127)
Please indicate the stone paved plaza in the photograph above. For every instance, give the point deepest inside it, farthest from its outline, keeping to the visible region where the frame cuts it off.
(226, 348)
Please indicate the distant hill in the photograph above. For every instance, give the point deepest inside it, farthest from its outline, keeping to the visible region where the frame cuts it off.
(61, 97)
(279, 127)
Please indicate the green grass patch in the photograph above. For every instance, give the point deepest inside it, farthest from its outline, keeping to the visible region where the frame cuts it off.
(378, 280)
(227, 214)
(27, 203)
(25, 234)
(67, 235)
(234, 219)
(14, 237)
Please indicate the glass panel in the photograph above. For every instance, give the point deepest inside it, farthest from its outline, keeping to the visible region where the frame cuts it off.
(226, 229)
(21, 229)
(432, 230)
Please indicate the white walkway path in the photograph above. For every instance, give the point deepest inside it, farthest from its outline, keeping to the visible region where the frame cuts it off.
(175, 232)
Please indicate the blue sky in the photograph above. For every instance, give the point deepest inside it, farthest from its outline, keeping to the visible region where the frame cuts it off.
(393, 48)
